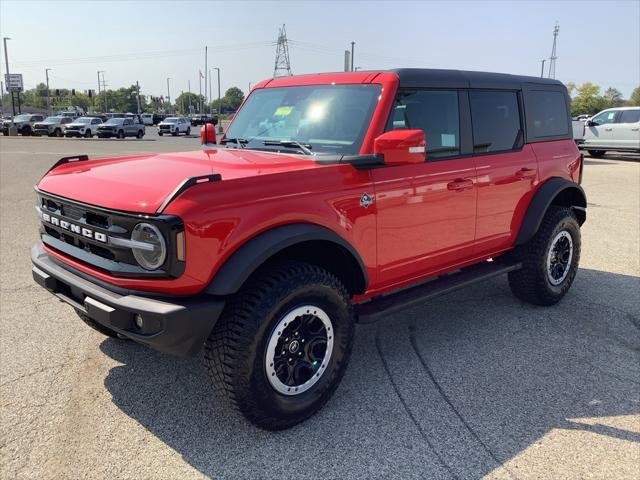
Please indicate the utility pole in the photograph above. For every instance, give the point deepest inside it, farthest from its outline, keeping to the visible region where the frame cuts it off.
(99, 90)
(189, 84)
(138, 95)
(210, 93)
(6, 60)
(542, 69)
(353, 44)
(219, 102)
(46, 74)
(168, 94)
(200, 92)
(553, 58)
(205, 79)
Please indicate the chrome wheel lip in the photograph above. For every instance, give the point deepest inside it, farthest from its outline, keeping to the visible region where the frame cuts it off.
(551, 258)
(274, 381)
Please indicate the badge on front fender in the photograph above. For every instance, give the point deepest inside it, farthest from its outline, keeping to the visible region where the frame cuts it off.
(366, 200)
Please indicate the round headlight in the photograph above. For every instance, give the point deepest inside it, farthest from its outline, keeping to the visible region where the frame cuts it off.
(154, 254)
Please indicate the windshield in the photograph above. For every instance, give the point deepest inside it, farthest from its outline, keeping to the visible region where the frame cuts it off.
(22, 118)
(328, 119)
(170, 120)
(82, 120)
(53, 119)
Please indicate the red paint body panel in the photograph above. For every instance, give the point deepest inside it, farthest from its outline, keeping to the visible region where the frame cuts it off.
(426, 218)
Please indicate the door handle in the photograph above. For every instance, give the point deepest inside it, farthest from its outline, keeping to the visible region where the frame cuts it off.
(460, 184)
(634, 129)
(608, 129)
(525, 173)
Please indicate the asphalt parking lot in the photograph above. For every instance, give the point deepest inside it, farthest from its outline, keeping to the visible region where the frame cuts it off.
(473, 384)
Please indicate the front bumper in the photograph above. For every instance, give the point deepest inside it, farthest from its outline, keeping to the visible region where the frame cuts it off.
(41, 131)
(175, 325)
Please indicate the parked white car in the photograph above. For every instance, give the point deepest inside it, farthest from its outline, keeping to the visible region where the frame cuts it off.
(147, 118)
(174, 126)
(83, 127)
(614, 129)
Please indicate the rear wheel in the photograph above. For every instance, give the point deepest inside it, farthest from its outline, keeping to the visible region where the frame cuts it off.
(282, 344)
(26, 131)
(596, 153)
(549, 260)
(188, 131)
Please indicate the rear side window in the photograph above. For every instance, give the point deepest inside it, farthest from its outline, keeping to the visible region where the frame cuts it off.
(435, 112)
(629, 116)
(495, 118)
(547, 112)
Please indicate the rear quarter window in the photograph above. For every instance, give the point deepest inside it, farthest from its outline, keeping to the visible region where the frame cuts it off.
(547, 114)
(629, 116)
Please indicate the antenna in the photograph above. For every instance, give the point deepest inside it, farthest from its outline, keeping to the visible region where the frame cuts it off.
(282, 66)
(553, 58)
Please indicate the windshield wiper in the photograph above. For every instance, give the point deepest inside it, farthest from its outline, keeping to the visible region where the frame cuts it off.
(290, 143)
(241, 142)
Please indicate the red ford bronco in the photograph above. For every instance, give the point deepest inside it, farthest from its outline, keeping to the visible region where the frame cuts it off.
(331, 199)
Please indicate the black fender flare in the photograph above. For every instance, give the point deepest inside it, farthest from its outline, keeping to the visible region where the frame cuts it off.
(252, 254)
(573, 196)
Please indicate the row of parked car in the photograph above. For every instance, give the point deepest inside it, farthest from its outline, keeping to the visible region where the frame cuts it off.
(613, 129)
(104, 126)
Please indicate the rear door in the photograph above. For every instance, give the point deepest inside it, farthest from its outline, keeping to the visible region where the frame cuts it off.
(507, 169)
(625, 132)
(426, 212)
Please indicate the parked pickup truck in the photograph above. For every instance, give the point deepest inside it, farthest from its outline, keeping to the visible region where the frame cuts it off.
(52, 126)
(23, 123)
(331, 199)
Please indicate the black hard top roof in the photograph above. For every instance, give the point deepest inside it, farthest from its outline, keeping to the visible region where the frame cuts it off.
(435, 78)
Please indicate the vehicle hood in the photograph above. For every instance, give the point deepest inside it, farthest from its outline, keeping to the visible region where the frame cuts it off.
(167, 123)
(81, 124)
(140, 183)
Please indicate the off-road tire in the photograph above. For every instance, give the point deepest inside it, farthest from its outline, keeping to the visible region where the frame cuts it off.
(531, 283)
(98, 327)
(596, 153)
(235, 352)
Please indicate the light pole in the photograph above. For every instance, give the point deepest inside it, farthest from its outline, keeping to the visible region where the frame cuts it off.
(352, 48)
(6, 60)
(542, 70)
(219, 102)
(46, 74)
(168, 94)
(105, 91)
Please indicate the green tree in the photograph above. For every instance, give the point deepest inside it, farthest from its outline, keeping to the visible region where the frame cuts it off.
(613, 98)
(232, 99)
(186, 100)
(634, 99)
(587, 100)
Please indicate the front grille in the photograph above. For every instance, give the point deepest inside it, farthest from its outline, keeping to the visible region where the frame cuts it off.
(165, 127)
(83, 232)
(73, 127)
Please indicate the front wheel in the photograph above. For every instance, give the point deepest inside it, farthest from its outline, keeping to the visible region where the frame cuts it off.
(87, 134)
(160, 133)
(282, 344)
(549, 260)
(57, 133)
(140, 134)
(596, 153)
(121, 134)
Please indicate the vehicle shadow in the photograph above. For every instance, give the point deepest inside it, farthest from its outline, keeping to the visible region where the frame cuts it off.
(453, 389)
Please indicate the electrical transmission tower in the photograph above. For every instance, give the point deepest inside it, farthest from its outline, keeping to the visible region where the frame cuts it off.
(282, 66)
(552, 59)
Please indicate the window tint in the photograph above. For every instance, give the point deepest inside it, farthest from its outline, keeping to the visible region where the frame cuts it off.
(496, 121)
(548, 112)
(435, 112)
(127, 122)
(629, 116)
(605, 117)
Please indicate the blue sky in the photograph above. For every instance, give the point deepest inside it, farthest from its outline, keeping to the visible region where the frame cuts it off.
(149, 41)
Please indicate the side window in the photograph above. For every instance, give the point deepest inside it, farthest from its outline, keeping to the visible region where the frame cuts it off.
(547, 111)
(95, 121)
(435, 112)
(495, 118)
(127, 122)
(629, 116)
(605, 117)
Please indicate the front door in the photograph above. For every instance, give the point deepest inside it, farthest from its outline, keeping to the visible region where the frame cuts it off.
(600, 133)
(426, 212)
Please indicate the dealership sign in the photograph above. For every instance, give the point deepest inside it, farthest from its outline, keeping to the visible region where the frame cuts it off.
(13, 81)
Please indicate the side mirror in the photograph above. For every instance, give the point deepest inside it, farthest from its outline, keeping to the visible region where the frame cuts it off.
(401, 147)
(591, 123)
(207, 134)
